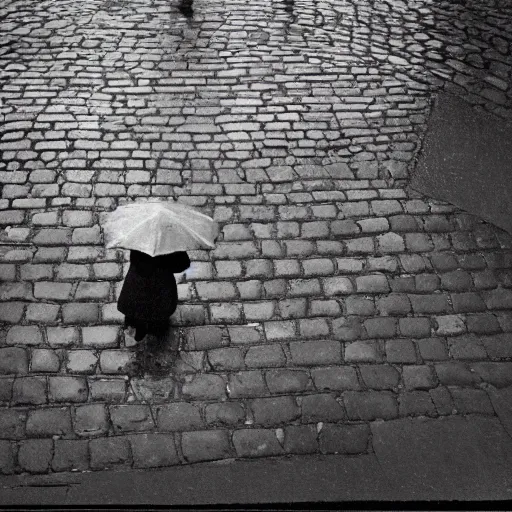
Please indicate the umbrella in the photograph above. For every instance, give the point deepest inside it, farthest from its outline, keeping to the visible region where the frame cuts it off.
(157, 228)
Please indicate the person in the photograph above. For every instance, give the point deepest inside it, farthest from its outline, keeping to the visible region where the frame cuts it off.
(186, 8)
(149, 295)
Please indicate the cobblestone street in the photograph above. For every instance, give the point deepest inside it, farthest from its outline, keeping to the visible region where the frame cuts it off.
(336, 296)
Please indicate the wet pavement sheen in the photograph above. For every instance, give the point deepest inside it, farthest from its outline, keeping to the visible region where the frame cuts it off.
(336, 296)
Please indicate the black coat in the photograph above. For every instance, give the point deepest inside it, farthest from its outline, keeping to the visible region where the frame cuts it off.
(149, 295)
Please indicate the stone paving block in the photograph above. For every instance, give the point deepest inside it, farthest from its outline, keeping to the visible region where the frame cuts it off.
(226, 312)
(335, 378)
(81, 361)
(303, 287)
(416, 403)
(70, 455)
(52, 236)
(13, 291)
(345, 439)
(117, 361)
(264, 356)
(108, 390)
(382, 264)
(250, 290)
(257, 442)
(153, 450)
(258, 268)
(259, 311)
(320, 408)
(29, 390)
(91, 290)
(455, 373)
(497, 374)
(449, 325)
(380, 327)
(364, 245)
(179, 416)
(418, 242)
(52, 290)
(205, 445)
(337, 286)
(300, 439)
(44, 313)
(215, 291)
(442, 400)
(484, 323)
(432, 349)
(24, 335)
(412, 263)
(107, 452)
(6, 458)
(12, 312)
(313, 328)
(204, 387)
(12, 423)
(246, 384)
(279, 330)
(362, 351)
(44, 360)
(35, 455)
(244, 335)
(466, 348)
(131, 418)
(225, 359)
(484, 280)
(379, 376)
(286, 381)
(361, 306)
(71, 271)
(318, 352)
(469, 401)
(7, 272)
(67, 389)
(204, 338)
(227, 414)
(500, 298)
(104, 336)
(275, 288)
(90, 420)
(62, 336)
(80, 313)
(55, 421)
(372, 284)
(414, 327)
(274, 411)
(370, 405)
(6, 384)
(393, 304)
(390, 243)
(13, 361)
(292, 308)
(418, 377)
(400, 351)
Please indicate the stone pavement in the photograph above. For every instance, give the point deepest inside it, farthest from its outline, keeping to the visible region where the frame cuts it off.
(336, 297)
(420, 459)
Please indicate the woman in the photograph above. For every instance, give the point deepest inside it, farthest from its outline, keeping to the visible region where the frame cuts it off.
(149, 295)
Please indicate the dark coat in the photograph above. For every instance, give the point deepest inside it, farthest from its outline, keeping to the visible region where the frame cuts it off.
(149, 295)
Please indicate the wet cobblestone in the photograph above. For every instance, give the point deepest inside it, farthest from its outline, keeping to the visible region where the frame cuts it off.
(336, 295)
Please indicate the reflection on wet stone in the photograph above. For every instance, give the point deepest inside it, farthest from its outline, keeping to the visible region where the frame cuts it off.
(296, 125)
(186, 8)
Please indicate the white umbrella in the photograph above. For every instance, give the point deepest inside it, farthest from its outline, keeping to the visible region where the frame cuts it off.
(157, 228)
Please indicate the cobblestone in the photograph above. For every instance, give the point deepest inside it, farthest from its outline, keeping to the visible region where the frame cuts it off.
(70, 455)
(332, 281)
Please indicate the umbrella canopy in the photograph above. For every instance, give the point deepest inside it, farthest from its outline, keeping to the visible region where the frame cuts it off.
(159, 228)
